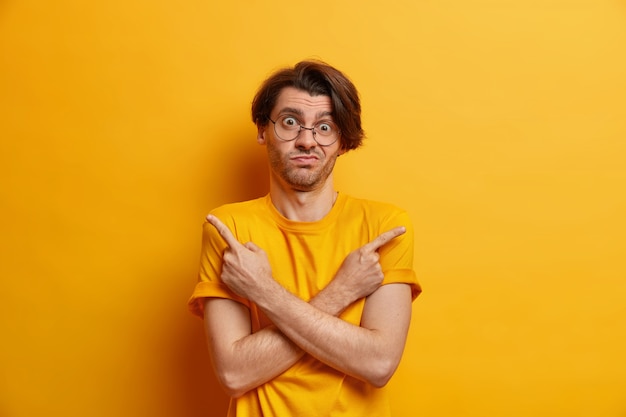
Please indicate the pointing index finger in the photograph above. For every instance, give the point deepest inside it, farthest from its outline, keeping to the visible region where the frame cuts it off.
(385, 238)
(223, 230)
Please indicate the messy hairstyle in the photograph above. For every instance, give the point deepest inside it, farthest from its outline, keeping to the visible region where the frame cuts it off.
(316, 78)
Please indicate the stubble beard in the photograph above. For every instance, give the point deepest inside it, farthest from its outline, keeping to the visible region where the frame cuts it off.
(300, 178)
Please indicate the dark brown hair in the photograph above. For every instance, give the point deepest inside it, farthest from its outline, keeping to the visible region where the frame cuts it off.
(316, 78)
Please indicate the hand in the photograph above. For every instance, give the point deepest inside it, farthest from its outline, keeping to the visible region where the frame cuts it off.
(360, 274)
(246, 268)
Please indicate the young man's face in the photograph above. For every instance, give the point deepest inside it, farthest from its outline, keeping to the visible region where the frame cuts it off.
(302, 163)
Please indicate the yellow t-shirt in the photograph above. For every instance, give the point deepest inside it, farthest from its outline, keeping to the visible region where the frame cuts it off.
(304, 257)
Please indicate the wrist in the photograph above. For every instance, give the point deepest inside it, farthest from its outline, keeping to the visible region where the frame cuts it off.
(268, 295)
(333, 299)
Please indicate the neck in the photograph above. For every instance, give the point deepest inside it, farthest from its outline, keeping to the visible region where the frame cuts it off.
(303, 205)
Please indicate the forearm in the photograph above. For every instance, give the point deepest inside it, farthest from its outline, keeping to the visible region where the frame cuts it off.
(256, 358)
(370, 354)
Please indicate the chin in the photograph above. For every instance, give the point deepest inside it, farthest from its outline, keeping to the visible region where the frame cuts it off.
(303, 184)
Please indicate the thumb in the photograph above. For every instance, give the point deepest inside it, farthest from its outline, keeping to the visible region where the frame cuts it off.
(251, 246)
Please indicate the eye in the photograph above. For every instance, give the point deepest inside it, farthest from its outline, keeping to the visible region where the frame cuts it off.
(290, 122)
(325, 128)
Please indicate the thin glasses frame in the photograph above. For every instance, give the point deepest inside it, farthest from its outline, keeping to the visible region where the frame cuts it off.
(301, 127)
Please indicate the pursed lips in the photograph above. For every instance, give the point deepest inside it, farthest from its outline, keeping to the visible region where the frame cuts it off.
(304, 158)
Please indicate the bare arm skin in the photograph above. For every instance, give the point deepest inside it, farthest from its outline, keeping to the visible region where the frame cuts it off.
(370, 352)
(244, 360)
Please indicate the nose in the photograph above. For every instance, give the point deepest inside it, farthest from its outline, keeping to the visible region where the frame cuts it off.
(306, 140)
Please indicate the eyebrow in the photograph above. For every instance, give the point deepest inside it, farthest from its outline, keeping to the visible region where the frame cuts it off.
(300, 113)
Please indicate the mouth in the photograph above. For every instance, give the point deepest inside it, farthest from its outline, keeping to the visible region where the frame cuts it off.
(304, 159)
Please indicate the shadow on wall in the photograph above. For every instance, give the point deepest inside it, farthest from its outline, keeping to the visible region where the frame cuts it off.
(243, 175)
(203, 395)
(252, 176)
(236, 171)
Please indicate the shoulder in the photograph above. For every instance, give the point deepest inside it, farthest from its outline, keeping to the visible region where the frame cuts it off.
(373, 209)
(375, 216)
(242, 217)
(239, 210)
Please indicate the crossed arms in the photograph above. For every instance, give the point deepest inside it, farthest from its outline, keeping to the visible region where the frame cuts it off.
(371, 352)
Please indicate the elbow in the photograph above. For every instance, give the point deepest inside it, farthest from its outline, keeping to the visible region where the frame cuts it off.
(232, 383)
(233, 392)
(380, 380)
(382, 372)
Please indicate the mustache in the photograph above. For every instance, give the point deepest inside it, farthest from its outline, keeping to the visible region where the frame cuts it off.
(305, 152)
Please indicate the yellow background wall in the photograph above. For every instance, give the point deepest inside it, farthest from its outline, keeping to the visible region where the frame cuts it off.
(499, 125)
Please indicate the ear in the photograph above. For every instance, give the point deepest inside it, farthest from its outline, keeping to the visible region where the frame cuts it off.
(260, 137)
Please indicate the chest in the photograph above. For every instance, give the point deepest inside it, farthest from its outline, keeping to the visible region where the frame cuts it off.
(305, 263)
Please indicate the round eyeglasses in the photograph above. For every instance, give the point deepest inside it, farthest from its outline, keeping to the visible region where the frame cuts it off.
(288, 128)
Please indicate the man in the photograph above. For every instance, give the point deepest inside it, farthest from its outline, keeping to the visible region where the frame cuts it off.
(306, 293)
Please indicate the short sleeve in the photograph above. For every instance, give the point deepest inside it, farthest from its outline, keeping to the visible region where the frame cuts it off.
(396, 257)
(209, 283)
